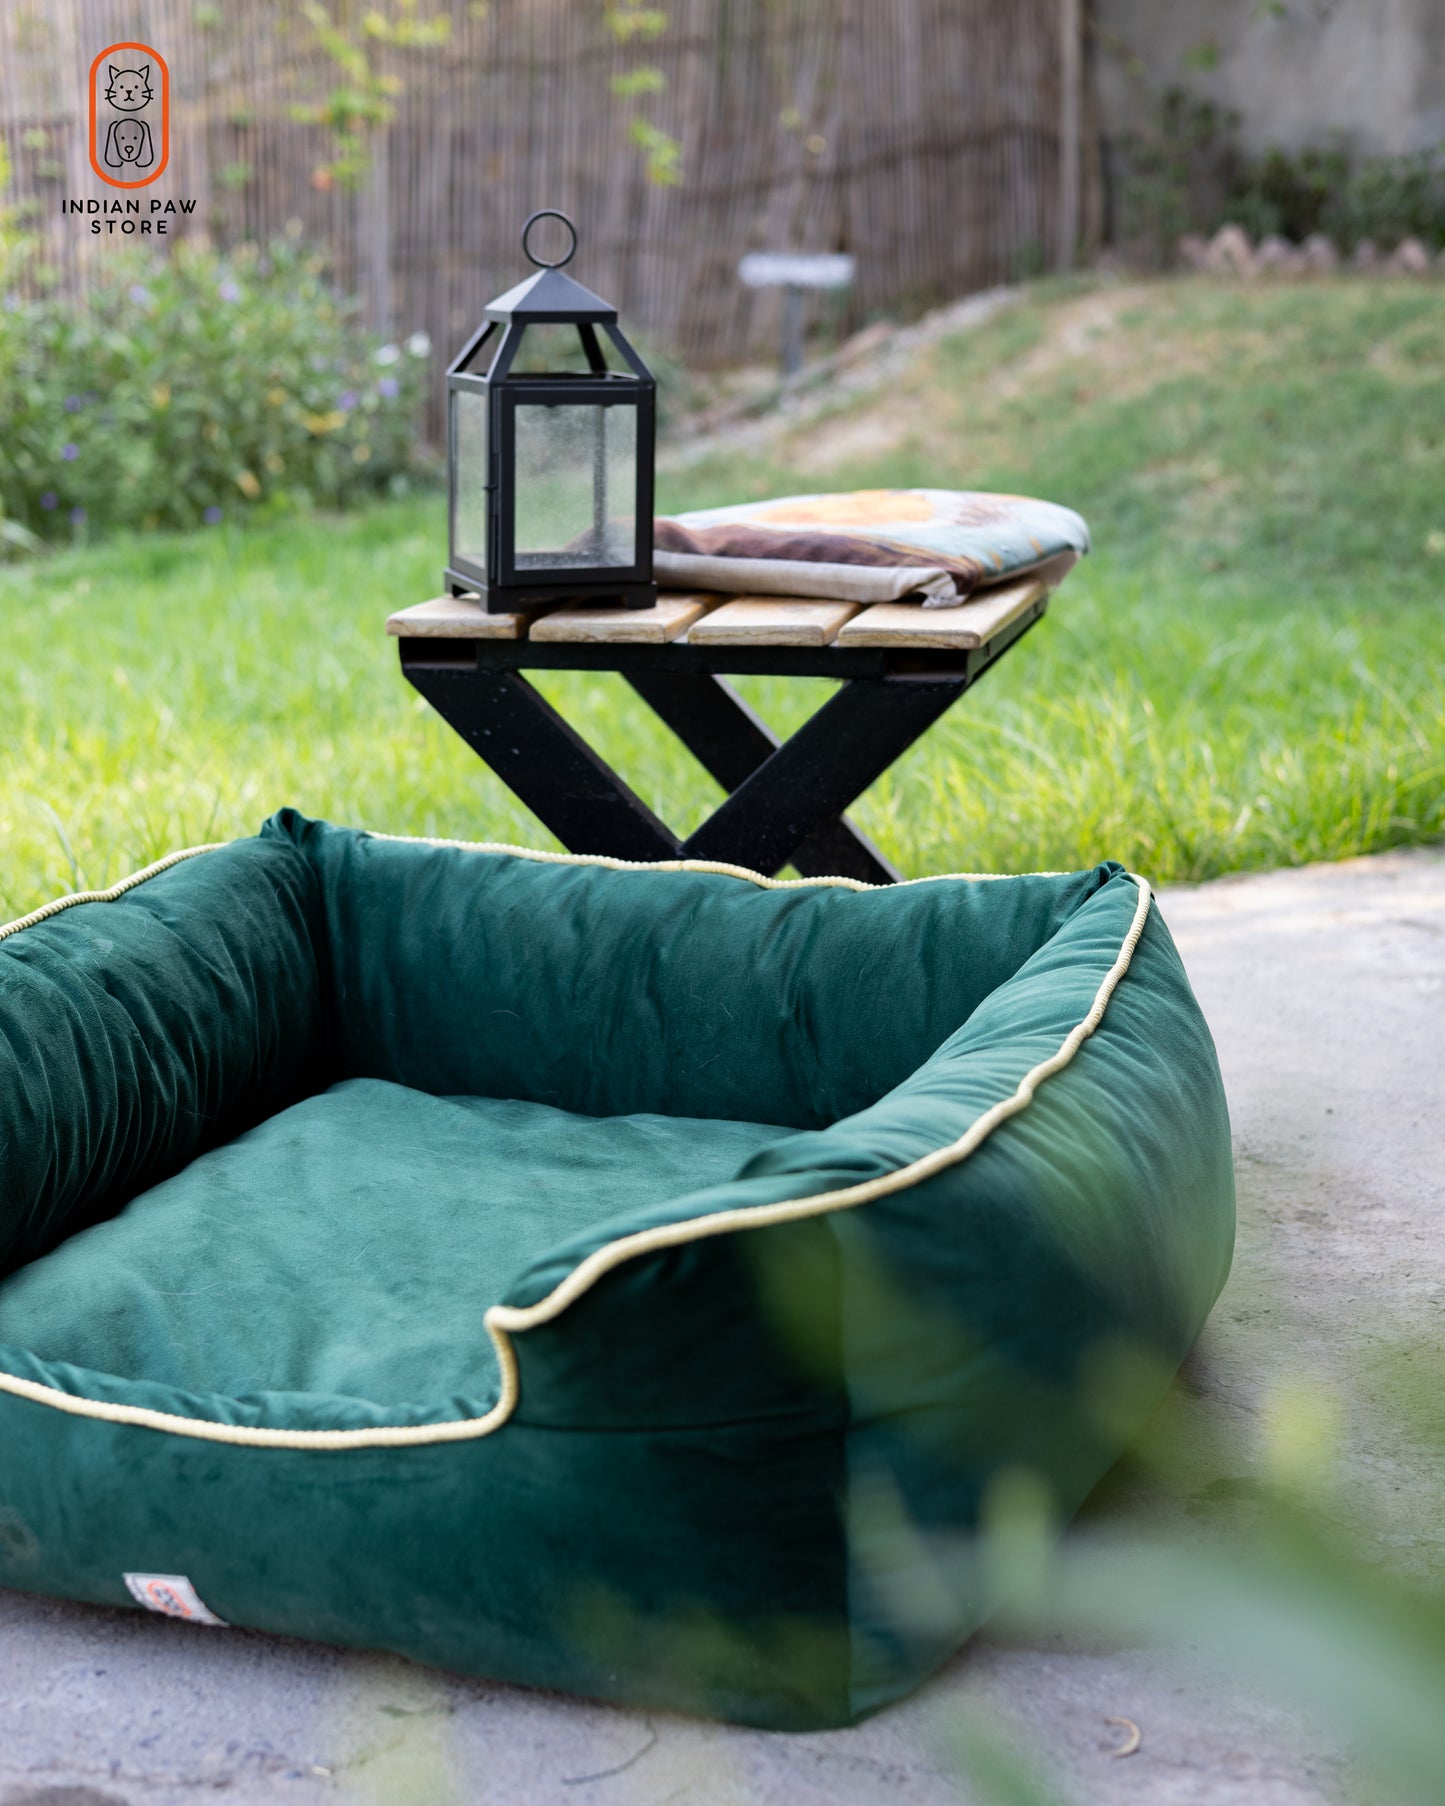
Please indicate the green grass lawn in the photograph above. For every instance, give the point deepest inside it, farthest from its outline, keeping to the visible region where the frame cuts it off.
(1246, 672)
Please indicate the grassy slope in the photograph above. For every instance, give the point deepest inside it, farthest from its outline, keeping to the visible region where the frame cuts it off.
(1246, 672)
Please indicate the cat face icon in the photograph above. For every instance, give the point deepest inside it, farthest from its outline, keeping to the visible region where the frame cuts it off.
(128, 142)
(129, 89)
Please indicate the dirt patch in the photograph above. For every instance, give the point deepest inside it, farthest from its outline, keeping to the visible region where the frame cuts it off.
(1086, 328)
(900, 396)
(854, 438)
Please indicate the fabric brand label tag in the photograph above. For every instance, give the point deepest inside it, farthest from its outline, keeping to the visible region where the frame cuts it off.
(173, 1596)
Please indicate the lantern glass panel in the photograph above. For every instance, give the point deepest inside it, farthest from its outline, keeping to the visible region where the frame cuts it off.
(469, 475)
(576, 486)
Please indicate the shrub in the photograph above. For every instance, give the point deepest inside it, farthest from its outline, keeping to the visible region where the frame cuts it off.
(1390, 198)
(1173, 174)
(14, 538)
(1185, 172)
(199, 389)
(1291, 194)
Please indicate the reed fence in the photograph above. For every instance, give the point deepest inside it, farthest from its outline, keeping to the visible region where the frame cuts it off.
(942, 142)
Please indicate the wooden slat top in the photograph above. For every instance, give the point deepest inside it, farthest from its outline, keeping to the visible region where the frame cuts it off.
(712, 620)
(772, 621)
(673, 613)
(961, 629)
(454, 618)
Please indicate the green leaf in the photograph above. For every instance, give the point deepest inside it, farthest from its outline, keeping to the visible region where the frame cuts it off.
(645, 80)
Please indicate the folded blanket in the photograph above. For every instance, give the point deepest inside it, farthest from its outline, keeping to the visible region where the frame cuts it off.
(875, 545)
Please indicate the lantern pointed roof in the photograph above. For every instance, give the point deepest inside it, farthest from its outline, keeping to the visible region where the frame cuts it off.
(549, 296)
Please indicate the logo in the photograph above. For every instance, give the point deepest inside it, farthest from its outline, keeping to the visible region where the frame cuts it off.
(130, 115)
(172, 1595)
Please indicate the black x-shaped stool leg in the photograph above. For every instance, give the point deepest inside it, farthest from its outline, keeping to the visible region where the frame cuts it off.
(786, 800)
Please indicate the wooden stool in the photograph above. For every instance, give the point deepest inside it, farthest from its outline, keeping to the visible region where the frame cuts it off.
(901, 667)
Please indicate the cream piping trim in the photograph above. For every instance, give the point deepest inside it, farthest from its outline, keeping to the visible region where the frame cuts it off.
(505, 1321)
(44, 913)
(700, 865)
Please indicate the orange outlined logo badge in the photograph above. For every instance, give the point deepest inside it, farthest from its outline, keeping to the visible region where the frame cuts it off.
(173, 1596)
(130, 115)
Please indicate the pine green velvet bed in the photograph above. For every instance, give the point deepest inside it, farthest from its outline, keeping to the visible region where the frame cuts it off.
(624, 1279)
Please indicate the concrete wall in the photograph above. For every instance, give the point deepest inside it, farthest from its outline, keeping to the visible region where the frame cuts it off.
(1370, 70)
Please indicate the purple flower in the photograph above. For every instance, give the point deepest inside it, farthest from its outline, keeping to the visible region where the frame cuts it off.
(50, 499)
(212, 515)
(74, 403)
(77, 517)
(389, 387)
(69, 452)
(228, 291)
(347, 400)
(139, 294)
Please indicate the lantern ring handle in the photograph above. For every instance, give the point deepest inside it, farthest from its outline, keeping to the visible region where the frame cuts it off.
(541, 262)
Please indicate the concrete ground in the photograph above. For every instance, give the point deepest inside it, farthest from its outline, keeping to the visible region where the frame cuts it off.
(1326, 992)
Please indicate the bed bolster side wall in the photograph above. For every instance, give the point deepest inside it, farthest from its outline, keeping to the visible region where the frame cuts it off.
(136, 1033)
(1055, 1282)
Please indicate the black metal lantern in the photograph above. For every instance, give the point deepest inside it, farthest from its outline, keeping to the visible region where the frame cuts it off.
(550, 469)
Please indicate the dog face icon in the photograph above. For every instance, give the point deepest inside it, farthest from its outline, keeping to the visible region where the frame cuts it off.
(129, 89)
(128, 144)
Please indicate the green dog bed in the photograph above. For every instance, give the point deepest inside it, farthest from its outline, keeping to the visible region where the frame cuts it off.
(625, 1279)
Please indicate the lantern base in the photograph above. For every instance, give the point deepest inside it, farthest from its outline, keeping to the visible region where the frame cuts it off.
(532, 598)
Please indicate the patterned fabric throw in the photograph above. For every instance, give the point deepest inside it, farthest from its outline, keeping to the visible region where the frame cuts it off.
(876, 545)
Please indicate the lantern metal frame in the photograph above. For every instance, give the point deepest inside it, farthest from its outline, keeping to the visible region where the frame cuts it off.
(548, 298)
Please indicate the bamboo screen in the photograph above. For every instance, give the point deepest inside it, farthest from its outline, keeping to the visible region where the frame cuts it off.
(921, 135)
